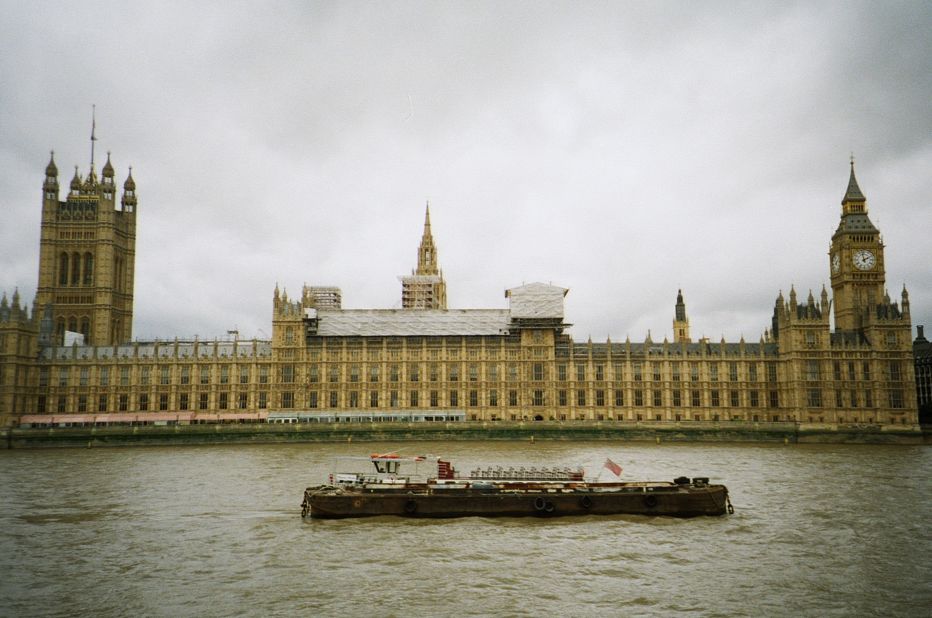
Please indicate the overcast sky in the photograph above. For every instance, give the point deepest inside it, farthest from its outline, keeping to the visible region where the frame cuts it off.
(621, 150)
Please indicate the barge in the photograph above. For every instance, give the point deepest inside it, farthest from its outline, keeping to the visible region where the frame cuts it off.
(430, 487)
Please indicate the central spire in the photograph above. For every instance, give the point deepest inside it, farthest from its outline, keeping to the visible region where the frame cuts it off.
(425, 287)
(427, 252)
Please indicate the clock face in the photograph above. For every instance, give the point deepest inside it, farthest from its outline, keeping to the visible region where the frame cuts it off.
(836, 263)
(864, 260)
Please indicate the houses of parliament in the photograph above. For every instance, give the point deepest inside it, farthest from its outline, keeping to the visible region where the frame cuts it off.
(844, 357)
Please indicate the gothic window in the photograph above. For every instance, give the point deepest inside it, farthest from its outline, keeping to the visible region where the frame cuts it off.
(75, 269)
(373, 399)
(537, 372)
(454, 398)
(73, 324)
(88, 269)
(896, 373)
(814, 398)
(63, 269)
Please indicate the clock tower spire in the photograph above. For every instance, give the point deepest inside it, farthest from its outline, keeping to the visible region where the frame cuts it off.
(856, 261)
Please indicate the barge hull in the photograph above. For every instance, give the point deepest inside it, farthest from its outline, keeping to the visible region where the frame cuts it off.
(711, 500)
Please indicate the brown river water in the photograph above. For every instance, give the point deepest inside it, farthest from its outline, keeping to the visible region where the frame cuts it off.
(818, 530)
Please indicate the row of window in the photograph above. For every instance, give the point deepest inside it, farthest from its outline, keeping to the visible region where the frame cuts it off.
(161, 402)
(538, 397)
(186, 374)
(163, 375)
(537, 372)
(856, 398)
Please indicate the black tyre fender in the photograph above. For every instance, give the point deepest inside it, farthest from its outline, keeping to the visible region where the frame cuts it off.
(410, 507)
(650, 501)
(549, 507)
(539, 503)
(586, 502)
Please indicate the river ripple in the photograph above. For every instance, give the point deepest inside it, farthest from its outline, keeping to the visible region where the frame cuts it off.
(819, 530)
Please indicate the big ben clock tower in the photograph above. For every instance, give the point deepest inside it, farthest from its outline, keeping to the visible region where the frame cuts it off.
(856, 261)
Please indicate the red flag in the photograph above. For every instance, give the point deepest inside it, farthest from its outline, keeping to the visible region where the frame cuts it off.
(615, 468)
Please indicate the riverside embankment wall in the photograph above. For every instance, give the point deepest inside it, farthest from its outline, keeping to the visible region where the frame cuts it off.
(261, 433)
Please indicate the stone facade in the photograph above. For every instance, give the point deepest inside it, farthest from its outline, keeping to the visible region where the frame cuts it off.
(87, 256)
(517, 363)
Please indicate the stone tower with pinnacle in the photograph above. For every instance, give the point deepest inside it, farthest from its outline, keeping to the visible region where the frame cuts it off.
(87, 255)
(425, 288)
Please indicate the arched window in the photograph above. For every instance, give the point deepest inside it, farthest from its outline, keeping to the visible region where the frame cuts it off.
(88, 268)
(73, 324)
(63, 269)
(75, 269)
(85, 328)
(118, 275)
(60, 327)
